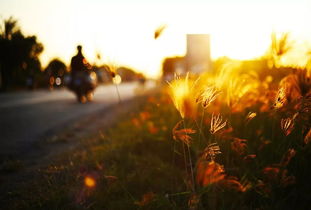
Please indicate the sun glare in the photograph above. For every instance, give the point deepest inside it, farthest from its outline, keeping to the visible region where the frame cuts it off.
(126, 32)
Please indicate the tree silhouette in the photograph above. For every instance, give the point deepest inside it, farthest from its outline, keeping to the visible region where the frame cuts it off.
(56, 68)
(18, 56)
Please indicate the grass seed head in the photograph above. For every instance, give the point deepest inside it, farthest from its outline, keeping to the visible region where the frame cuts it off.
(217, 123)
(182, 134)
(287, 125)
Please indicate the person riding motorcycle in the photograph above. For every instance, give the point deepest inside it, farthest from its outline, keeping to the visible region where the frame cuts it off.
(83, 80)
(78, 63)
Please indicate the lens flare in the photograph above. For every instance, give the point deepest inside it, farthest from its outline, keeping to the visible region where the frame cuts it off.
(89, 182)
(117, 79)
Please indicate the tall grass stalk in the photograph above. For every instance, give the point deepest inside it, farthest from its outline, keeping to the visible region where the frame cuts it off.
(190, 162)
(118, 92)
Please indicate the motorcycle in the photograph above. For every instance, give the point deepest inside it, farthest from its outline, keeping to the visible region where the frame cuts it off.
(83, 84)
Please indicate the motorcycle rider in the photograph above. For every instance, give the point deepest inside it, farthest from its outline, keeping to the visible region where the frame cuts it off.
(78, 62)
(83, 80)
(78, 65)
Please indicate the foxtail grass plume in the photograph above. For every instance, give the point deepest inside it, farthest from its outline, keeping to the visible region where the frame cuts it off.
(211, 151)
(217, 123)
(209, 172)
(250, 116)
(182, 134)
(181, 92)
(287, 125)
(207, 96)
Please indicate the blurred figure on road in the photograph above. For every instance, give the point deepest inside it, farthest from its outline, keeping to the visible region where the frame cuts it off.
(83, 78)
(78, 62)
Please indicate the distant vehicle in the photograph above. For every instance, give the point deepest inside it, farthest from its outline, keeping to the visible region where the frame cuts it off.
(83, 85)
(55, 81)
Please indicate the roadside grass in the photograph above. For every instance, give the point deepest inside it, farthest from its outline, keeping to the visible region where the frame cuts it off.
(130, 163)
(240, 151)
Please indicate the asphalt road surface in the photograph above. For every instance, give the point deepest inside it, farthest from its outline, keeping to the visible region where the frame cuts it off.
(25, 117)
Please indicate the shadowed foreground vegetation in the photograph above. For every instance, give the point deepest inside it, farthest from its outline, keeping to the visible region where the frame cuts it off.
(219, 148)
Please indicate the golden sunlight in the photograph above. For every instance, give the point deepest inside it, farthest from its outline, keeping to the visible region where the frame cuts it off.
(125, 32)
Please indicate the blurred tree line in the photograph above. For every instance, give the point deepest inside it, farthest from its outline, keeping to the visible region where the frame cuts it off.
(19, 57)
(20, 66)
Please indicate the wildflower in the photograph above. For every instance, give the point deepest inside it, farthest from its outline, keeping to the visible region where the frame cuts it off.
(182, 134)
(209, 172)
(287, 125)
(211, 151)
(216, 123)
(239, 145)
(181, 92)
(287, 157)
(207, 96)
(146, 199)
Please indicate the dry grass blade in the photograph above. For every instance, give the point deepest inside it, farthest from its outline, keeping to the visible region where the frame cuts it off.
(307, 138)
(287, 157)
(146, 199)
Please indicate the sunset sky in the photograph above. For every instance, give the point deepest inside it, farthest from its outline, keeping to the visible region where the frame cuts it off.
(122, 31)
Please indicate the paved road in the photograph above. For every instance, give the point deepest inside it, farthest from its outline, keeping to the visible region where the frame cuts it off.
(25, 117)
